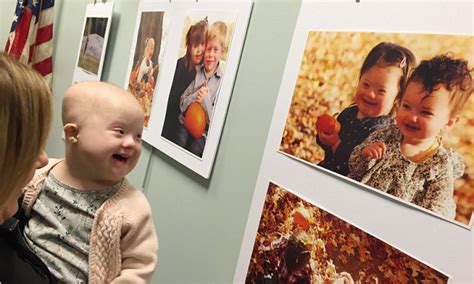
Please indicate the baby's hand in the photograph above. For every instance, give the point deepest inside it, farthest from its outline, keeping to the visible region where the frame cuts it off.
(201, 93)
(374, 151)
(329, 139)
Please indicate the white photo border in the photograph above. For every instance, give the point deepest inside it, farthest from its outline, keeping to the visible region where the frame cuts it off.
(97, 10)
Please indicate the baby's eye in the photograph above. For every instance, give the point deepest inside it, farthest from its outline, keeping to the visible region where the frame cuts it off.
(426, 113)
(119, 131)
(405, 106)
(382, 91)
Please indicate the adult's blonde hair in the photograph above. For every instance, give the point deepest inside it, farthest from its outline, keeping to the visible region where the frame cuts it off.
(25, 120)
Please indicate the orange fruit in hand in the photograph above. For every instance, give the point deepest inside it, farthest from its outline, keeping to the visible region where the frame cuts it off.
(328, 124)
(195, 120)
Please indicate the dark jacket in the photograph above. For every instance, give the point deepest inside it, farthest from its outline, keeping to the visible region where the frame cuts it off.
(18, 264)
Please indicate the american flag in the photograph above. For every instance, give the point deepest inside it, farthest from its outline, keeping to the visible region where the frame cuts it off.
(31, 35)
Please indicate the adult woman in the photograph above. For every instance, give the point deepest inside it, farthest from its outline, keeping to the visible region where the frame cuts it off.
(25, 120)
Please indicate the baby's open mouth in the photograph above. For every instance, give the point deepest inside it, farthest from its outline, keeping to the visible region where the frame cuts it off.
(119, 157)
(369, 102)
(411, 127)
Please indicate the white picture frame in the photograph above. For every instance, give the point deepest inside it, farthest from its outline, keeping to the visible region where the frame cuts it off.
(151, 24)
(336, 94)
(93, 43)
(236, 13)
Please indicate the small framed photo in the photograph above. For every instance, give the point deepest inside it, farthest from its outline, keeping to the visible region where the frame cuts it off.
(148, 47)
(93, 44)
(195, 86)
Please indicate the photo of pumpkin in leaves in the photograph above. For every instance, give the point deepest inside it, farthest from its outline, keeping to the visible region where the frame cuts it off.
(298, 242)
(351, 86)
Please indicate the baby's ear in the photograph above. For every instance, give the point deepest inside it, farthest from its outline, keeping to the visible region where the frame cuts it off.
(71, 132)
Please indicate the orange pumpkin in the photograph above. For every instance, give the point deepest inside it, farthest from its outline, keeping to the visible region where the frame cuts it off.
(328, 124)
(195, 120)
(302, 218)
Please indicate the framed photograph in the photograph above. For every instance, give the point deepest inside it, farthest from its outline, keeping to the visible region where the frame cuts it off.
(299, 242)
(341, 34)
(200, 63)
(329, 92)
(91, 53)
(334, 89)
(145, 59)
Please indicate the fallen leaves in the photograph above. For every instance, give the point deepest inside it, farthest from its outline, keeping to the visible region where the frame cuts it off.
(329, 250)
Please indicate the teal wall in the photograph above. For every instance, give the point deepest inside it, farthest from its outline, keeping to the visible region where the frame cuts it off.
(200, 223)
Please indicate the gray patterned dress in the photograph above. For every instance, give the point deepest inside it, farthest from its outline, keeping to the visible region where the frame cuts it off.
(60, 226)
(429, 184)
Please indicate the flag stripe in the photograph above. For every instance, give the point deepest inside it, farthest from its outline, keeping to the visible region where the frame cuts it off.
(27, 53)
(21, 34)
(44, 34)
(42, 52)
(44, 67)
(46, 17)
(7, 45)
(31, 36)
(31, 53)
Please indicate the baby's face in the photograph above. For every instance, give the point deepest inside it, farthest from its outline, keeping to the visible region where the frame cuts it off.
(149, 50)
(197, 53)
(377, 90)
(110, 140)
(422, 116)
(212, 54)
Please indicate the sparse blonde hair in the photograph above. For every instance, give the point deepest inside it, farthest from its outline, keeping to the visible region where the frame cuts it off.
(149, 40)
(25, 120)
(218, 30)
